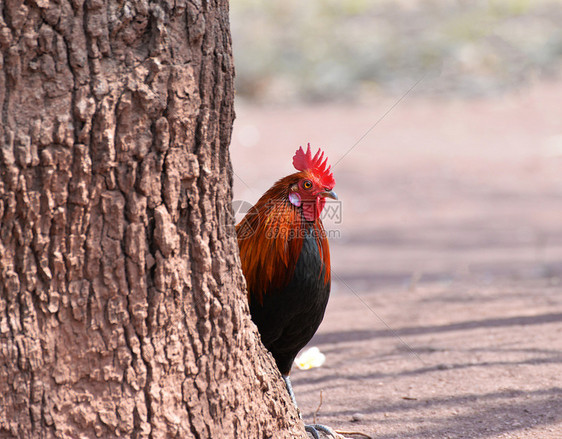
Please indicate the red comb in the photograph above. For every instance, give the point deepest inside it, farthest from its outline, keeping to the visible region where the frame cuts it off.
(303, 161)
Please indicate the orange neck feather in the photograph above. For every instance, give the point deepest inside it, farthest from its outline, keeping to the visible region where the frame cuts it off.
(271, 237)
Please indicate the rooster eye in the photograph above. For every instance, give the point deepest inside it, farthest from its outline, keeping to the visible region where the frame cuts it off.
(307, 184)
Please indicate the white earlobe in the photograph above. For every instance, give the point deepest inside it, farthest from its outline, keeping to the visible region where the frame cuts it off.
(295, 199)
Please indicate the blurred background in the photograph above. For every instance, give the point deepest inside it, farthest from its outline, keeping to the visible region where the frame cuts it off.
(334, 50)
(442, 120)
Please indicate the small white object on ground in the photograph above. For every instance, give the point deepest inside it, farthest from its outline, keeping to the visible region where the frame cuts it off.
(310, 358)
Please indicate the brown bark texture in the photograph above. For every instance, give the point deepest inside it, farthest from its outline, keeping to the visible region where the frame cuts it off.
(122, 308)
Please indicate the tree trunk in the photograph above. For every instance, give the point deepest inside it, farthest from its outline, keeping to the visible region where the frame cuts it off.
(122, 308)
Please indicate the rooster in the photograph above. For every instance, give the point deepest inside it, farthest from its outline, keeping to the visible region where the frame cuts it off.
(286, 261)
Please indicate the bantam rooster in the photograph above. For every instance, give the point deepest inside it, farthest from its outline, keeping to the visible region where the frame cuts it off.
(286, 261)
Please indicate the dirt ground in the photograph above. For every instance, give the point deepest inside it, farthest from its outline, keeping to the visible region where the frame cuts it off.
(445, 319)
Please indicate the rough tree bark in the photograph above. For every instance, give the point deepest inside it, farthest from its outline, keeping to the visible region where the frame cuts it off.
(122, 309)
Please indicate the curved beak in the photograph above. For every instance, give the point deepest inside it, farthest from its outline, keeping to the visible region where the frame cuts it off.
(329, 194)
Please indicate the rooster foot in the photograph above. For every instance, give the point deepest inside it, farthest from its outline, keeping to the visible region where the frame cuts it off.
(313, 429)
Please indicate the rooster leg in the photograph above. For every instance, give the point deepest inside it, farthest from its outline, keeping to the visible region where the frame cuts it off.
(313, 429)
(291, 393)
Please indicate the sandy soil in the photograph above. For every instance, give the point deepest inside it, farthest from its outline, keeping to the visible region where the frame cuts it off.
(446, 313)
